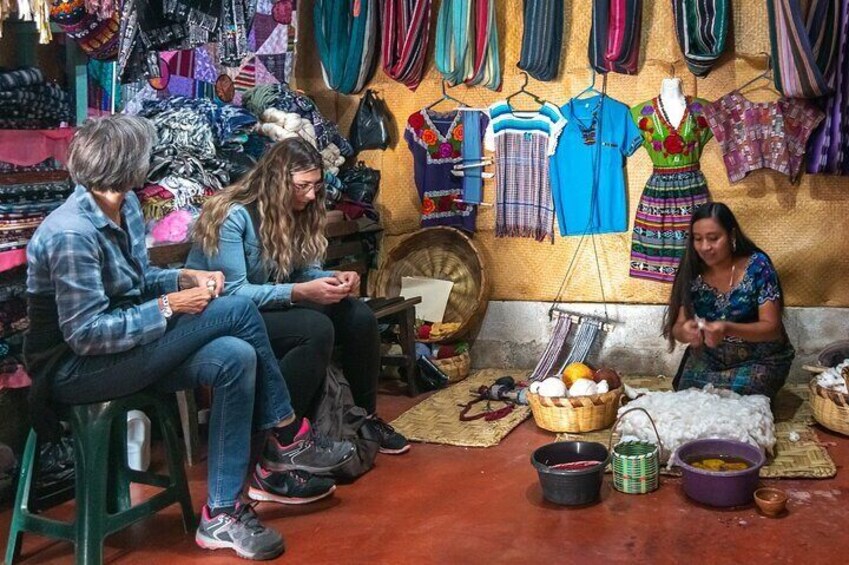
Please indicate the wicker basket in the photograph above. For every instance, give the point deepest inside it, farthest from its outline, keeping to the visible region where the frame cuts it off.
(636, 464)
(577, 414)
(456, 367)
(830, 408)
(441, 253)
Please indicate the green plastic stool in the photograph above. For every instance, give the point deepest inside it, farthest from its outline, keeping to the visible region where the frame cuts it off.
(102, 478)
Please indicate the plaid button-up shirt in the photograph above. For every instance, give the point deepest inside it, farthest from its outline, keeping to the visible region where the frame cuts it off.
(105, 288)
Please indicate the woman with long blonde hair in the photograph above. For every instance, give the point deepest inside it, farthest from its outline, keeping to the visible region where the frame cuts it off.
(266, 234)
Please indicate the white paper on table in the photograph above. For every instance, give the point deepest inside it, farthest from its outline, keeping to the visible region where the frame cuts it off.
(434, 293)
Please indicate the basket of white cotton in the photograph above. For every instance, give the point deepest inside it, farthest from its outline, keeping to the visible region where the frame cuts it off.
(829, 398)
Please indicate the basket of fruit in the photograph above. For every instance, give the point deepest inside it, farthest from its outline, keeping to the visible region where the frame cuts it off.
(579, 400)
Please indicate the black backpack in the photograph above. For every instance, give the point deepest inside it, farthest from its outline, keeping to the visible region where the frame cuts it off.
(337, 417)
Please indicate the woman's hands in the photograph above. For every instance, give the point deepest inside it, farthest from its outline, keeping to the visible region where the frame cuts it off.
(191, 301)
(212, 281)
(326, 290)
(715, 332)
(690, 333)
(350, 278)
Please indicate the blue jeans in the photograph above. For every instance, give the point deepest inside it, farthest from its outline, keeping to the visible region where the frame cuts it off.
(225, 347)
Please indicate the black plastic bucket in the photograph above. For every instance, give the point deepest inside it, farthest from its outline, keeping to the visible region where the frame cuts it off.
(570, 488)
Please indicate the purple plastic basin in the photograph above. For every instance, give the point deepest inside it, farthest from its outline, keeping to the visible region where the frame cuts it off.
(723, 489)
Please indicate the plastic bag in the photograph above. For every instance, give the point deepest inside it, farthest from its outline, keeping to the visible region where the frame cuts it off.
(370, 128)
(360, 183)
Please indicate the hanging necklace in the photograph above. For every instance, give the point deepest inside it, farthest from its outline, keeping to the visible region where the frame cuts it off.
(665, 116)
(588, 132)
(731, 282)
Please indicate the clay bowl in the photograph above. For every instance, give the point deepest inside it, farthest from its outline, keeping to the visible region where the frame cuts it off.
(771, 501)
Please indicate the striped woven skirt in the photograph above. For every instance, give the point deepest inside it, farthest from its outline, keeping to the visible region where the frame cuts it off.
(662, 224)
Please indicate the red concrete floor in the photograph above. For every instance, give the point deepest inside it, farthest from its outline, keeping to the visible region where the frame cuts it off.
(440, 504)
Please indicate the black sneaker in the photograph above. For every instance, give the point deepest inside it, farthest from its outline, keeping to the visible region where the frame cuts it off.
(391, 442)
(308, 452)
(289, 487)
(240, 531)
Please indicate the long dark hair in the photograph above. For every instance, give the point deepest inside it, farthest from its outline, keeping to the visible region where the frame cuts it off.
(692, 265)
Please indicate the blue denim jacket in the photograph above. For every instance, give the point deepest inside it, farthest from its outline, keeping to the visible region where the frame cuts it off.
(239, 257)
(104, 286)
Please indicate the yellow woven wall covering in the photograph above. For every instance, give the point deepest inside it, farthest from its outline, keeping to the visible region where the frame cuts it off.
(802, 227)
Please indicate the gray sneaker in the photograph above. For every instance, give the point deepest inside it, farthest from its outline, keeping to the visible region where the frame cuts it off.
(308, 452)
(240, 531)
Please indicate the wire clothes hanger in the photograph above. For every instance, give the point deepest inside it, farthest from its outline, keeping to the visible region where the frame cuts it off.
(524, 90)
(445, 97)
(591, 88)
(767, 74)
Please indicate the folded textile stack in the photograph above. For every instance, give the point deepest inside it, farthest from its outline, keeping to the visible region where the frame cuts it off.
(25, 200)
(199, 150)
(28, 101)
(285, 113)
(13, 322)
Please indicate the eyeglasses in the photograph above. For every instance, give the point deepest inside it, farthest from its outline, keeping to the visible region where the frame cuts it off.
(305, 187)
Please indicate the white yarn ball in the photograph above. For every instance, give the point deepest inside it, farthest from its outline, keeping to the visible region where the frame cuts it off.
(552, 386)
(583, 387)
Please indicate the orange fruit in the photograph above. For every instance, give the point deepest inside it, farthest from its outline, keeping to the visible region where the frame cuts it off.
(575, 371)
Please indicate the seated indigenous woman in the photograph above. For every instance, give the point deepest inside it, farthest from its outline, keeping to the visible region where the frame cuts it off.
(104, 323)
(726, 305)
(266, 233)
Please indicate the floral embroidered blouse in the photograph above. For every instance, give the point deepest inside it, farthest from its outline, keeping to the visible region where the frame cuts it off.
(669, 146)
(763, 135)
(435, 140)
(758, 286)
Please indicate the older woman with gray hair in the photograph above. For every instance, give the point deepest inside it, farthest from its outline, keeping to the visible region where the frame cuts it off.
(105, 323)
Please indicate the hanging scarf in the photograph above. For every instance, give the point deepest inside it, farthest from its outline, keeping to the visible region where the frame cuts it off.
(472, 154)
(345, 32)
(828, 151)
(542, 38)
(615, 36)
(406, 28)
(701, 27)
(804, 46)
(461, 58)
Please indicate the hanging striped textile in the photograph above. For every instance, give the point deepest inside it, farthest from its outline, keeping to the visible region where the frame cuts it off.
(584, 340)
(701, 27)
(804, 46)
(828, 150)
(554, 350)
(406, 28)
(542, 38)
(467, 43)
(346, 35)
(615, 36)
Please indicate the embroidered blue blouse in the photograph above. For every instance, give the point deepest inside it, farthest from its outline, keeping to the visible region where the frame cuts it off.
(239, 257)
(758, 286)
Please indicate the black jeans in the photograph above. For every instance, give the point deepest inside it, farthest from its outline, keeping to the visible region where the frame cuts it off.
(303, 336)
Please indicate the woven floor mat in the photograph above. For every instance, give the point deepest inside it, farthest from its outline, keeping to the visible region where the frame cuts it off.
(803, 459)
(436, 420)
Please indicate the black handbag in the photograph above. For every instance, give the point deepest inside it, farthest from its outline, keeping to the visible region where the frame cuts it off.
(360, 183)
(370, 128)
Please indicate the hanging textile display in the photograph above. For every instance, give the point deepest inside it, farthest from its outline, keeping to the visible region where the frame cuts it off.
(406, 29)
(30, 10)
(542, 38)
(615, 36)
(674, 190)
(438, 142)
(828, 151)
(588, 167)
(467, 43)
(346, 36)
(804, 46)
(523, 143)
(96, 35)
(702, 28)
(766, 135)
